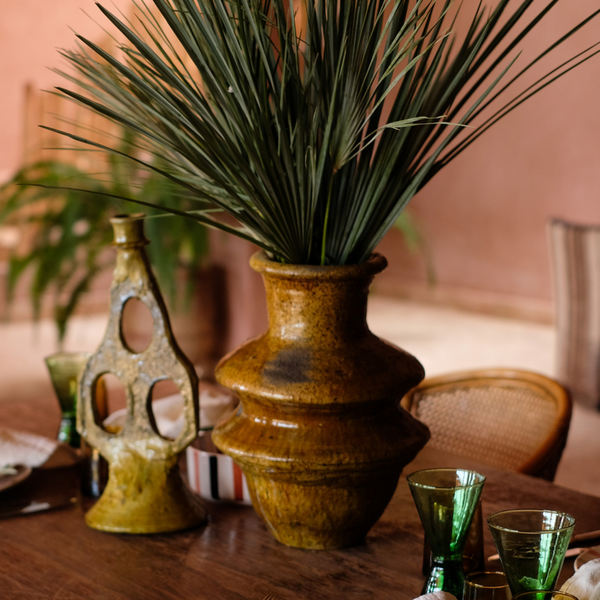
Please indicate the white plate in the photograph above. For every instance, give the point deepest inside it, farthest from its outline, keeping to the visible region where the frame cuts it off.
(8, 481)
(589, 554)
(21, 448)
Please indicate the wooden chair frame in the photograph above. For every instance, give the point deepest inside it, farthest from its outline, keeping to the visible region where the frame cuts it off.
(544, 461)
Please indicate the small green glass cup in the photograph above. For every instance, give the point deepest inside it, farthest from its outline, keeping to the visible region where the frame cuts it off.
(545, 595)
(446, 500)
(487, 585)
(64, 369)
(531, 545)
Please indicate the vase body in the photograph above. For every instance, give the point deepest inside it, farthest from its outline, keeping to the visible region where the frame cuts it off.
(319, 434)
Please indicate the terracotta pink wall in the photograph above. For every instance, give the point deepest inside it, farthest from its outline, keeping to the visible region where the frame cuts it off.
(30, 33)
(485, 215)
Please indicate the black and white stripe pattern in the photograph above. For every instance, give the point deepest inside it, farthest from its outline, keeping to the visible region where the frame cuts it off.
(215, 476)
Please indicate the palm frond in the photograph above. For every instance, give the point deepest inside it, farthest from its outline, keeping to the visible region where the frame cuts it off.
(313, 135)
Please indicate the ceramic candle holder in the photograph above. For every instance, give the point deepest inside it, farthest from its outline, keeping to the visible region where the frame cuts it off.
(145, 492)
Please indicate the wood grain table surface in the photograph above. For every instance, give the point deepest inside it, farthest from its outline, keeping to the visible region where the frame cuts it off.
(55, 555)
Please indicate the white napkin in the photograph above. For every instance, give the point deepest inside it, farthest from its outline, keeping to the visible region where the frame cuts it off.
(585, 584)
(437, 596)
(168, 412)
(19, 448)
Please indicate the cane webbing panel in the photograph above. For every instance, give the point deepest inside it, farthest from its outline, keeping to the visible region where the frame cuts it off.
(510, 419)
(500, 426)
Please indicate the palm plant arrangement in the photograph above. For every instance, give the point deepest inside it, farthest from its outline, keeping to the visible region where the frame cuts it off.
(312, 130)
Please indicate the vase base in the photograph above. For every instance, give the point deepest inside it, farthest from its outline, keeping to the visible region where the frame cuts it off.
(153, 499)
(111, 520)
(320, 517)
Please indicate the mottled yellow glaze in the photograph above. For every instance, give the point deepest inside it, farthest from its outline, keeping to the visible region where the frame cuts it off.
(145, 492)
(319, 433)
(144, 496)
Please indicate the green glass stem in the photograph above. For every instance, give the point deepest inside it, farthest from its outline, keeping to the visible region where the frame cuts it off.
(446, 500)
(64, 369)
(447, 576)
(67, 431)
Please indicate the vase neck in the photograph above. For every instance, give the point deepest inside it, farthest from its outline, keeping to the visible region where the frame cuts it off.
(328, 312)
(325, 306)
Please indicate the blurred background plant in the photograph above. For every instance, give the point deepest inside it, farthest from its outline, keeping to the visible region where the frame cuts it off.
(415, 240)
(68, 231)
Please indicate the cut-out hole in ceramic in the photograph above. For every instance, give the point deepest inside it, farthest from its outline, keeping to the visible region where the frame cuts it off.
(136, 325)
(166, 416)
(109, 396)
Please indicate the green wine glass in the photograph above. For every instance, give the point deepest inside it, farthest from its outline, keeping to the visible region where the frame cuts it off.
(531, 545)
(446, 500)
(64, 369)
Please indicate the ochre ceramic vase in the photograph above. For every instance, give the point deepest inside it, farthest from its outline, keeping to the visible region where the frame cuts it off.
(319, 434)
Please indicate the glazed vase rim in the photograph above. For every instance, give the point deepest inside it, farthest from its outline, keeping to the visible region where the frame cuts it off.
(370, 267)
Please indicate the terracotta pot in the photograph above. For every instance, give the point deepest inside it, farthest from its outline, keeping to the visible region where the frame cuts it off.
(319, 435)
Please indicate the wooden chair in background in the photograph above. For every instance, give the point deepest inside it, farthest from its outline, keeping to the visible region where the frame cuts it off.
(575, 253)
(506, 418)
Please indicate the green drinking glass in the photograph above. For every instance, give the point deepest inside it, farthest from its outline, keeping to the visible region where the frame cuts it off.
(446, 500)
(64, 369)
(487, 585)
(544, 595)
(531, 545)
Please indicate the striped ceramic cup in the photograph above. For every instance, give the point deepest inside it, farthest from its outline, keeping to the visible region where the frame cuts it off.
(214, 475)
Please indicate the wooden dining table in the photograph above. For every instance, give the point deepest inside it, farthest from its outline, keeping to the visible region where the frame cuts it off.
(53, 554)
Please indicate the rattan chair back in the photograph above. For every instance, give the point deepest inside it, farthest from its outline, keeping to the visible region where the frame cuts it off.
(511, 419)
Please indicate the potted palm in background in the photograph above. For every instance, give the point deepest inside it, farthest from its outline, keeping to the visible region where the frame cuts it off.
(67, 239)
(307, 129)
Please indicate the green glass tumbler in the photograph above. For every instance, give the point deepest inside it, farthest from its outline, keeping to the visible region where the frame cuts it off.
(545, 595)
(446, 500)
(64, 369)
(487, 585)
(531, 545)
